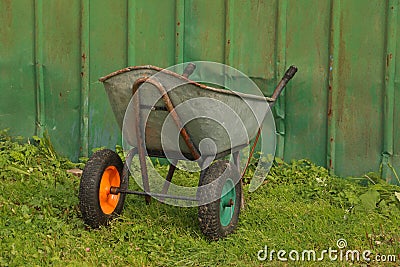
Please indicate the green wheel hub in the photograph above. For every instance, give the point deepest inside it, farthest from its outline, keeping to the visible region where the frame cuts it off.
(227, 202)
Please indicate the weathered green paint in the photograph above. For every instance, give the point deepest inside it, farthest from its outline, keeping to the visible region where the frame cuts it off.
(17, 69)
(307, 46)
(154, 39)
(62, 73)
(359, 103)
(339, 111)
(111, 47)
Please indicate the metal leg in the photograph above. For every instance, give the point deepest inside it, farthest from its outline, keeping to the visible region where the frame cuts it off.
(168, 179)
(127, 171)
(252, 151)
(145, 176)
(204, 162)
(141, 148)
(236, 161)
(129, 156)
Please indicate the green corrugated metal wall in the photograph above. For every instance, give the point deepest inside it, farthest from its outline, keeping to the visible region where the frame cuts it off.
(340, 111)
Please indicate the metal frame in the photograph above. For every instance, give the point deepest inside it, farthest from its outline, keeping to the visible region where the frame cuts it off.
(194, 152)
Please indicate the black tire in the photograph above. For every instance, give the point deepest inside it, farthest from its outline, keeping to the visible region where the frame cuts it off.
(212, 225)
(89, 199)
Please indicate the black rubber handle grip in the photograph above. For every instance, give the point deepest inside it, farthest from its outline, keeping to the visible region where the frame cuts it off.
(290, 73)
(189, 70)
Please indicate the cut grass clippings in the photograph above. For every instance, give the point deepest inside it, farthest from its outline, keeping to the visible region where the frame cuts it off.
(300, 207)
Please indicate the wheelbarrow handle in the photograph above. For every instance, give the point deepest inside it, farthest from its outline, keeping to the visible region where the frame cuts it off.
(189, 70)
(285, 79)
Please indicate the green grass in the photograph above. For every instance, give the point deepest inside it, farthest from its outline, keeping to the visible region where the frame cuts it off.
(299, 207)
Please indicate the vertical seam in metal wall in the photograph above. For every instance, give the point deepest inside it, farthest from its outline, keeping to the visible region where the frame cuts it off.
(389, 84)
(333, 82)
(131, 33)
(228, 31)
(39, 72)
(179, 31)
(281, 30)
(228, 55)
(85, 28)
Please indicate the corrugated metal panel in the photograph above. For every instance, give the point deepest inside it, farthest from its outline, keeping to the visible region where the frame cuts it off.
(357, 94)
(308, 38)
(108, 51)
(17, 72)
(340, 111)
(61, 61)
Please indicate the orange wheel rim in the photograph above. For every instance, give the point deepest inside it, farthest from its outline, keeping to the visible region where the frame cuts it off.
(110, 178)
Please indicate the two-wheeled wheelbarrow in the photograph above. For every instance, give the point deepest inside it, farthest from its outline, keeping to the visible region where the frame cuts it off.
(104, 182)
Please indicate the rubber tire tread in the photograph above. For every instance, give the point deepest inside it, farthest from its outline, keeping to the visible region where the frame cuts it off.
(89, 202)
(208, 214)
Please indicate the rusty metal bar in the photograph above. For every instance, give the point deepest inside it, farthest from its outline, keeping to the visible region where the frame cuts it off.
(251, 152)
(333, 83)
(85, 29)
(175, 117)
(389, 90)
(137, 84)
(117, 190)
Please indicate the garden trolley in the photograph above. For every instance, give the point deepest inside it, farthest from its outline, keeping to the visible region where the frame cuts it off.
(105, 178)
